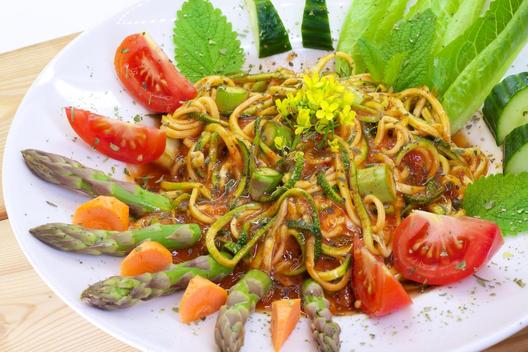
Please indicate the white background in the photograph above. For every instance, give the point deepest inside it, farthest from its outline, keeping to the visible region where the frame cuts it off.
(27, 22)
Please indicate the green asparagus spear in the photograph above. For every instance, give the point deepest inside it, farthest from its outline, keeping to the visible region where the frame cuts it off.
(241, 301)
(76, 177)
(73, 238)
(315, 305)
(119, 292)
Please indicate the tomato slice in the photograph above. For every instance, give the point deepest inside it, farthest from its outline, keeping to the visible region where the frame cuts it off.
(379, 292)
(136, 144)
(149, 76)
(438, 249)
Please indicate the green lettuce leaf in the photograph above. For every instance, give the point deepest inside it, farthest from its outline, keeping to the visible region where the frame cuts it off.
(452, 60)
(467, 93)
(362, 17)
(394, 13)
(453, 17)
(467, 13)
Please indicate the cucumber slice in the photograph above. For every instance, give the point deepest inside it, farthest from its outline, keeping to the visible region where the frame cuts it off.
(507, 106)
(516, 151)
(271, 36)
(315, 27)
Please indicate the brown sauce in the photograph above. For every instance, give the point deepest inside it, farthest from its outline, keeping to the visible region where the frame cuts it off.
(460, 139)
(341, 302)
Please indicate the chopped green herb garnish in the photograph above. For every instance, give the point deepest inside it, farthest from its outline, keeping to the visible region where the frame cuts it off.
(461, 265)
(519, 283)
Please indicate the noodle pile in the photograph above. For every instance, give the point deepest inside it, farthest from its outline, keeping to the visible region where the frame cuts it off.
(307, 226)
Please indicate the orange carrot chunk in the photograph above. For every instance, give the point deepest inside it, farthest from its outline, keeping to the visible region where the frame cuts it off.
(285, 314)
(103, 213)
(201, 298)
(148, 257)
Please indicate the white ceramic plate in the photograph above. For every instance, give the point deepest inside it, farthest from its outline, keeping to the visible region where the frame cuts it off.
(463, 317)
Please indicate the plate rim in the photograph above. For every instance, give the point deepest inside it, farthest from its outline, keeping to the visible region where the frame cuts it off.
(474, 344)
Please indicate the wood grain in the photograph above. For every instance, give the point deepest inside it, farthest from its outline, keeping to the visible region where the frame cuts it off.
(18, 70)
(31, 316)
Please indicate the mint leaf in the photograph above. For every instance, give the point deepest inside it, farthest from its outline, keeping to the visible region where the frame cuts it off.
(372, 57)
(405, 58)
(415, 36)
(501, 199)
(393, 67)
(204, 41)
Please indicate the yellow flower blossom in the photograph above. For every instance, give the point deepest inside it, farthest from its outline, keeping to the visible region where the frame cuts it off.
(347, 116)
(279, 142)
(348, 98)
(303, 121)
(282, 106)
(322, 103)
(326, 113)
(334, 145)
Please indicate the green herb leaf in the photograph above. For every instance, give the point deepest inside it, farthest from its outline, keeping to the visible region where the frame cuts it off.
(501, 199)
(405, 58)
(205, 43)
(416, 37)
(373, 58)
(393, 68)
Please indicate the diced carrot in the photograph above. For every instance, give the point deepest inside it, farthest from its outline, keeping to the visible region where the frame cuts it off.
(285, 314)
(103, 213)
(201, 298)
(148, 257)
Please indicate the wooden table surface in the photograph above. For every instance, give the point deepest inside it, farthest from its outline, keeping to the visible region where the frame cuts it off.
(32, 317)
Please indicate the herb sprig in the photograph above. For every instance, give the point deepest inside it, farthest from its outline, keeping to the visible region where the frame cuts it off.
(204, 41)
(502, 199)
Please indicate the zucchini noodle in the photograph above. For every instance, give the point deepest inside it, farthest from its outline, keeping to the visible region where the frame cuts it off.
(290, 195)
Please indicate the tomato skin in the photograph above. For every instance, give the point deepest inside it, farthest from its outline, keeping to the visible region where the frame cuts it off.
(135, 144)
(149, 76)
(386, 294)
(458, 247)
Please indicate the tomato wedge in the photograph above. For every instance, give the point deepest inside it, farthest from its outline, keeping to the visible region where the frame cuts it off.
(438, 249)
(135, 144)
(149, 76)
(378, 291)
